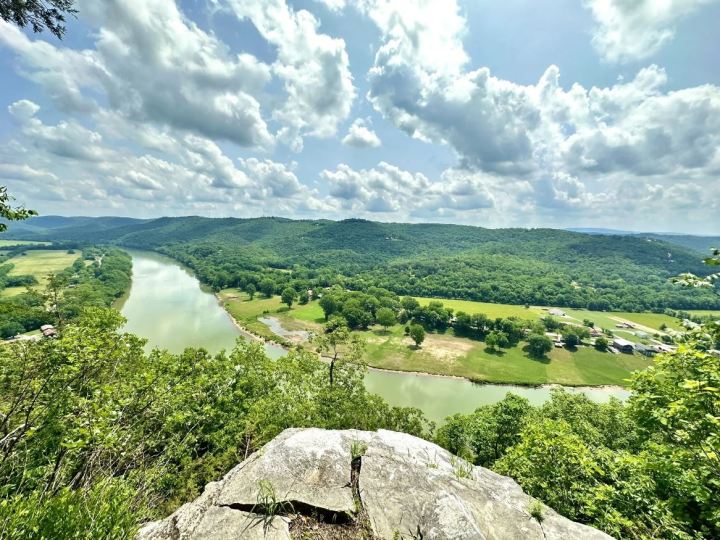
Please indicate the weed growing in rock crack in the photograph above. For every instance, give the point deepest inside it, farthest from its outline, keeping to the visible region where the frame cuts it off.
(536, 510)
(268, 505)
(358, 449)
(461, 468)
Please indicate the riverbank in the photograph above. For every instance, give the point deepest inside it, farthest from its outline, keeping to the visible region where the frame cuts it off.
(444, 355)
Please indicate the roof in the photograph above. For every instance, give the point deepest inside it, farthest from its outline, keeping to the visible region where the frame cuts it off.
(620, 342)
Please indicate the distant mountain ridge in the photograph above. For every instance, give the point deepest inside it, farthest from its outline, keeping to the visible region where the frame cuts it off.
(515, 266)
(701, 243)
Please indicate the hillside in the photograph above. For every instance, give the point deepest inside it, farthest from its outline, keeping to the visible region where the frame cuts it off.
(534, 266)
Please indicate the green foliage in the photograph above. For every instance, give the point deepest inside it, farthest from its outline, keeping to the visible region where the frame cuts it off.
(602, 344)
(417, 334)
(91, 411)
(539, 345)
(7, 212)
(536, 267)
(288, 296)
(386, 317)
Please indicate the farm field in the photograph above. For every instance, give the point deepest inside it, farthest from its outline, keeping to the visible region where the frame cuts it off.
(446, 354)
(6, 243)
(38, 263)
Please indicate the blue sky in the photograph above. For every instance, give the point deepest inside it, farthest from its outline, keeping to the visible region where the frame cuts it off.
(556, 113)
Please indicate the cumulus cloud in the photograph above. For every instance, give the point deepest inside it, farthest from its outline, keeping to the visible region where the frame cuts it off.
(634, 30)
(538, 131)
(313, 66)
(389, 189)
(151, 64)
(361, 136)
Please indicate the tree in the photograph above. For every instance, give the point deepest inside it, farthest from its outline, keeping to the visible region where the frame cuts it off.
(267, 287)
(386, 317)
(38, 14)
(602, 344)
(496, 339)
(409, 303)
(338, 343)
(329, 305)
(539, 345)
(6, 211)
(304, 297)
(288, 296)
(417, 333)
(571, 340)
(250, 290)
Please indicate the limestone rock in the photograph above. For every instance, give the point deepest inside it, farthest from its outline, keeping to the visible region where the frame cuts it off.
(407, 487)
(302, 466)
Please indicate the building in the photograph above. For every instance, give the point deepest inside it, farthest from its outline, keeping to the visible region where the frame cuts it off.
(623, 345)
(645, 350)
(49, 331)
(556, 312)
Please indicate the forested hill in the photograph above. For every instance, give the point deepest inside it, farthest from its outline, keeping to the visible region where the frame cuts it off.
(535, 266)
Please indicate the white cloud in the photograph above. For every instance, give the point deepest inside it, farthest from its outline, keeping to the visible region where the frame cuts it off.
(387, 189)
(630, 30)
(314, 67)
(361, 136)
(151, 65)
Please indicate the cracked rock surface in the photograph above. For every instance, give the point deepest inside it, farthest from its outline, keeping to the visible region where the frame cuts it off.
(407, 488)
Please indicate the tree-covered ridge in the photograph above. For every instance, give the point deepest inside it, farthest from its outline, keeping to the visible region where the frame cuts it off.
(521, 266)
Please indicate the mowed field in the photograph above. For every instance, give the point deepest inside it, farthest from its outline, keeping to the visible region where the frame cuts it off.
(6, 243)
(39, 263)
(446, 354)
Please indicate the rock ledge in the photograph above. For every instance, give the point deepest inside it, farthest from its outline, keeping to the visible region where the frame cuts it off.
(360, 484)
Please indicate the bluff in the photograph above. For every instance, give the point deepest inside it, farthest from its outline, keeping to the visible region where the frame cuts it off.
(314, 483)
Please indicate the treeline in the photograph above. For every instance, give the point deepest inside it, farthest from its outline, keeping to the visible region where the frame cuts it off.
(516, 266)
(99, 436)
(99, 283)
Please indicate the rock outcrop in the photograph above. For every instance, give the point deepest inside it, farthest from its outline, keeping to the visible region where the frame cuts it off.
(357, 484)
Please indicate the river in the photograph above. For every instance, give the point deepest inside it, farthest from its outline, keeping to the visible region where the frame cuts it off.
(167, 305)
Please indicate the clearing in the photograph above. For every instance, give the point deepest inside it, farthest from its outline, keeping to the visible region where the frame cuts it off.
(446, 354)
(38, 263)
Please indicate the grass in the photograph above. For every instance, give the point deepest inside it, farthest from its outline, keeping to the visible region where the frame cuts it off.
(446, 354)
(491, 310)
(6, 243)
(39, 263)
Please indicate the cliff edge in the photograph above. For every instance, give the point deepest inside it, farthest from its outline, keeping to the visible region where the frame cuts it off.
(315, 483)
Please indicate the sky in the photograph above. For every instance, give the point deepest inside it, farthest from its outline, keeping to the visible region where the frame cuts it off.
(520, 113)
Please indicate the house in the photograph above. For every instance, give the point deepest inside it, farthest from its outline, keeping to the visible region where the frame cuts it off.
(623, 345)
(594, 332)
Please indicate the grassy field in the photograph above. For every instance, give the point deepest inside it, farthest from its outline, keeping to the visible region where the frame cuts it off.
(6, 243)
(445, 354)
(38, 263)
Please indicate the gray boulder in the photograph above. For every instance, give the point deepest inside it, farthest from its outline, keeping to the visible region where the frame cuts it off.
(400, 487)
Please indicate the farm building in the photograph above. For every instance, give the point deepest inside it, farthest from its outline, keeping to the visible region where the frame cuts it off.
(645, 350)
(623, 345)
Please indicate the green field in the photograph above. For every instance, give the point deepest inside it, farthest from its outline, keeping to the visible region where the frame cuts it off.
(6, 243)
(38, 263)
(445, 354)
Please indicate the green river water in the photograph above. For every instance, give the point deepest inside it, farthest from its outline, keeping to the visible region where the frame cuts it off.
(167, 305)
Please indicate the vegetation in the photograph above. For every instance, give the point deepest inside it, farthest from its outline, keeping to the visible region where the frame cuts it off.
(98, 283)
(38, 14)
(7, 212)
(515, 266)
(645, 470)
(99, 435)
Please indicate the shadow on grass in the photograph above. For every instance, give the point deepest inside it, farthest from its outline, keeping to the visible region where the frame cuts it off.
(495, 352)
(543, 359)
